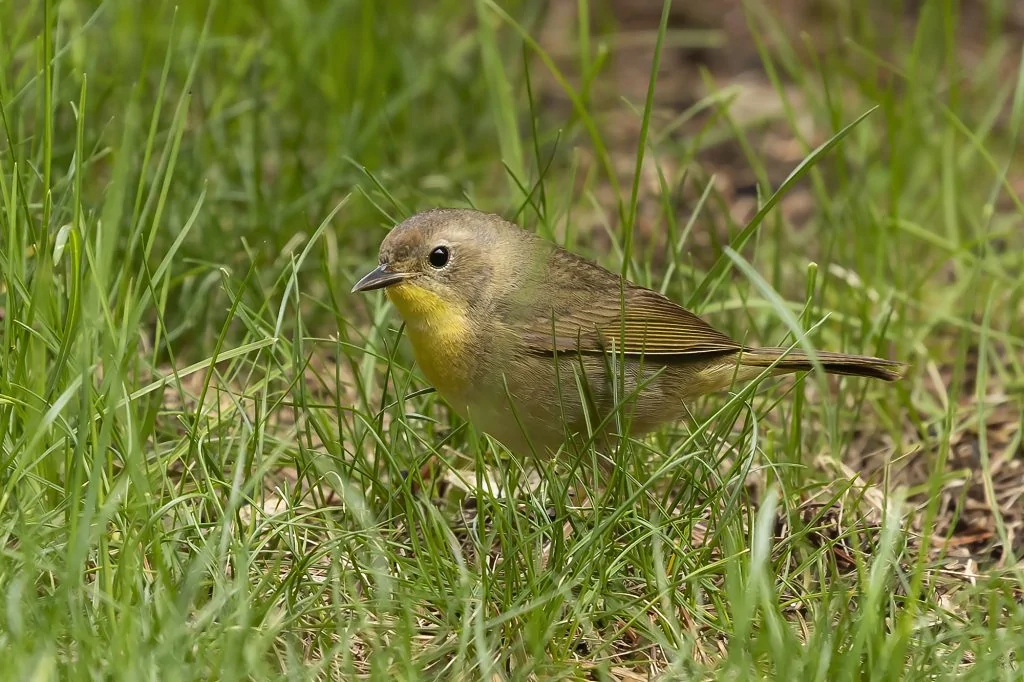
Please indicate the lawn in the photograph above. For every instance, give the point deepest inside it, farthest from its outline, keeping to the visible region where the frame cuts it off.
(218, 463)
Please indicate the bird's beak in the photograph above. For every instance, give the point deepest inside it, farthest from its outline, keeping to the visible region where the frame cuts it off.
(379, 278)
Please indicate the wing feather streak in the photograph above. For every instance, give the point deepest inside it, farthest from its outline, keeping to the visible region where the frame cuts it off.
(642, 322)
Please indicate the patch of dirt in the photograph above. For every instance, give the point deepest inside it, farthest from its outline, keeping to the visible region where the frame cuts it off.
(979, 477)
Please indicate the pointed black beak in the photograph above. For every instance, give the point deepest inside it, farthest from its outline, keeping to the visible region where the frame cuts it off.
(379, 278)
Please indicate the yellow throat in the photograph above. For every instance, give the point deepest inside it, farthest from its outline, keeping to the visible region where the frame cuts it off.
(439, 333)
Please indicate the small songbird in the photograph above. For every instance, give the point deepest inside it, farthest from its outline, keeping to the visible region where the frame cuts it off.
(534, 344)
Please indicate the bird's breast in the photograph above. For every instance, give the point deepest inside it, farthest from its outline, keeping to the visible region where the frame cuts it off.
(441, 335)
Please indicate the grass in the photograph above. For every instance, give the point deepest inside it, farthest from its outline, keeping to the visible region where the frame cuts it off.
(217, 463)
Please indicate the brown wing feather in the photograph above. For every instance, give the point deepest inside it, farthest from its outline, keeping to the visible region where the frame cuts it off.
(594, 315)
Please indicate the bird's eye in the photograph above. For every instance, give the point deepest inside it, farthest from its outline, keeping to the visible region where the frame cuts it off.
(439, 257)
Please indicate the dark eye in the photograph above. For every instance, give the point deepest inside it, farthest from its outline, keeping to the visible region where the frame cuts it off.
(439, 257)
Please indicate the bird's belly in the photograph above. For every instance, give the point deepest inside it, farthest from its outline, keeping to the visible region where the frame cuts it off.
(532, 403)
(535, 406)
(518, 406)
(518, 425)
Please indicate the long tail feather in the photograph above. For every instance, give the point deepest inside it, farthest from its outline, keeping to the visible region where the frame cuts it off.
(833, 363)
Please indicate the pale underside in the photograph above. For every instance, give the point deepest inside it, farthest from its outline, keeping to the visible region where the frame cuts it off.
(602, 394)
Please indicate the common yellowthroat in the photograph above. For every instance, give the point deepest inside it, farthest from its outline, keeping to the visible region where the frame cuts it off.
(534, 344)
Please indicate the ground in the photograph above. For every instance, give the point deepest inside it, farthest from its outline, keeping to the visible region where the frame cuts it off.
(219, 463)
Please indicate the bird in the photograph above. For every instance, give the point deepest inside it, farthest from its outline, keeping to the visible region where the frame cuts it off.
(538, 346)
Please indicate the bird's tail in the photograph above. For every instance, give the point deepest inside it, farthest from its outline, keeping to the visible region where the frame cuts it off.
(833, 363)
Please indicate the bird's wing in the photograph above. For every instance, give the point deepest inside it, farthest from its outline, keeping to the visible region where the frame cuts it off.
(635, 321)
